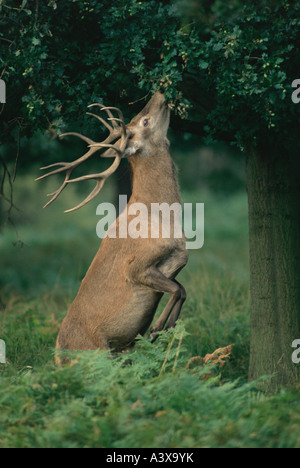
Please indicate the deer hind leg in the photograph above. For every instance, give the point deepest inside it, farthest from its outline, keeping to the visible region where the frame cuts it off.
(154, 279)
(177, 307)
(172, 310)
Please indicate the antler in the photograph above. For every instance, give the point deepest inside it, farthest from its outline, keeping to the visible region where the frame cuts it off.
(116, 130)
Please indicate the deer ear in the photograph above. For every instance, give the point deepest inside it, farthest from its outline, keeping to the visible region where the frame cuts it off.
(131, 148)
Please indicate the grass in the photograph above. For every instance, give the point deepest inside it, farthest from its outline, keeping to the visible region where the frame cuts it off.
(149, 397)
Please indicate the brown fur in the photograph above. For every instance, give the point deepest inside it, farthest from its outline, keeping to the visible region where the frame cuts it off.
(120, 293)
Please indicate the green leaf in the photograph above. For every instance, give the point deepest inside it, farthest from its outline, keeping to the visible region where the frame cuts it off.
(217, 47)
(203, 64)
(36, 41)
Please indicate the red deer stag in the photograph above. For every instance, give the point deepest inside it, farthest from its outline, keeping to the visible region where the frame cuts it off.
(120, 293)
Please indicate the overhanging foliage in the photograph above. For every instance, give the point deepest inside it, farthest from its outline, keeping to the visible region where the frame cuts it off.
(228, 69)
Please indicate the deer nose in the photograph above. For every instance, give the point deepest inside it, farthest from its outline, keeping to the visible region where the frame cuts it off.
(161, 90)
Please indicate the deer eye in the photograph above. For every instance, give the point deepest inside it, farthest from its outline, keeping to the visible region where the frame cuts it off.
(146, 122)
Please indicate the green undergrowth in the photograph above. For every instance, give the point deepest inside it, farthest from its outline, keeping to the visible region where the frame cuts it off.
(156, 395)
(149, 397)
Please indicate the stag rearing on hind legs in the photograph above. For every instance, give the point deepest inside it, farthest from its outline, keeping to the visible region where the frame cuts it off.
(121, 291)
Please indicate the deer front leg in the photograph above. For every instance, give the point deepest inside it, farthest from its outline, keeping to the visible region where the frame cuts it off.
(154, 279)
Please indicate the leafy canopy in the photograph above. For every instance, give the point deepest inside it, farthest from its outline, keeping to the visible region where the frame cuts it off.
(227, 66)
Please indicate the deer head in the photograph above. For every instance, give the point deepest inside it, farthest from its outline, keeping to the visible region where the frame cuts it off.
(148, 129)
(145, 132)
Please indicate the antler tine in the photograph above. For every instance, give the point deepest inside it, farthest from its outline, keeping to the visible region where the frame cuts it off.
(115, 131)
(100, 178)
(106, 145)
(106, 174)
(58, 192)
(63, 167)
(110, 115)
(101, 120)
(102, 175)
(122, 124)
(90, 197)
(78, 135)
(119, 112)
(52, 165)
(103, 107)
(112, 118)
(70, 166)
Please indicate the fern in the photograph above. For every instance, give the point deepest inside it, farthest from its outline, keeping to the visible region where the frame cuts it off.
(147, 397)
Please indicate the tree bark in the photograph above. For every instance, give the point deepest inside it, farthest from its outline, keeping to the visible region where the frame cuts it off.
(274, 223)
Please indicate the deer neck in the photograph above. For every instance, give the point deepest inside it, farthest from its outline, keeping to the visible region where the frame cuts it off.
(154, 179)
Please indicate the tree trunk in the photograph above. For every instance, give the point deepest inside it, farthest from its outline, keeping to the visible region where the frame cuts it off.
(274, 221)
